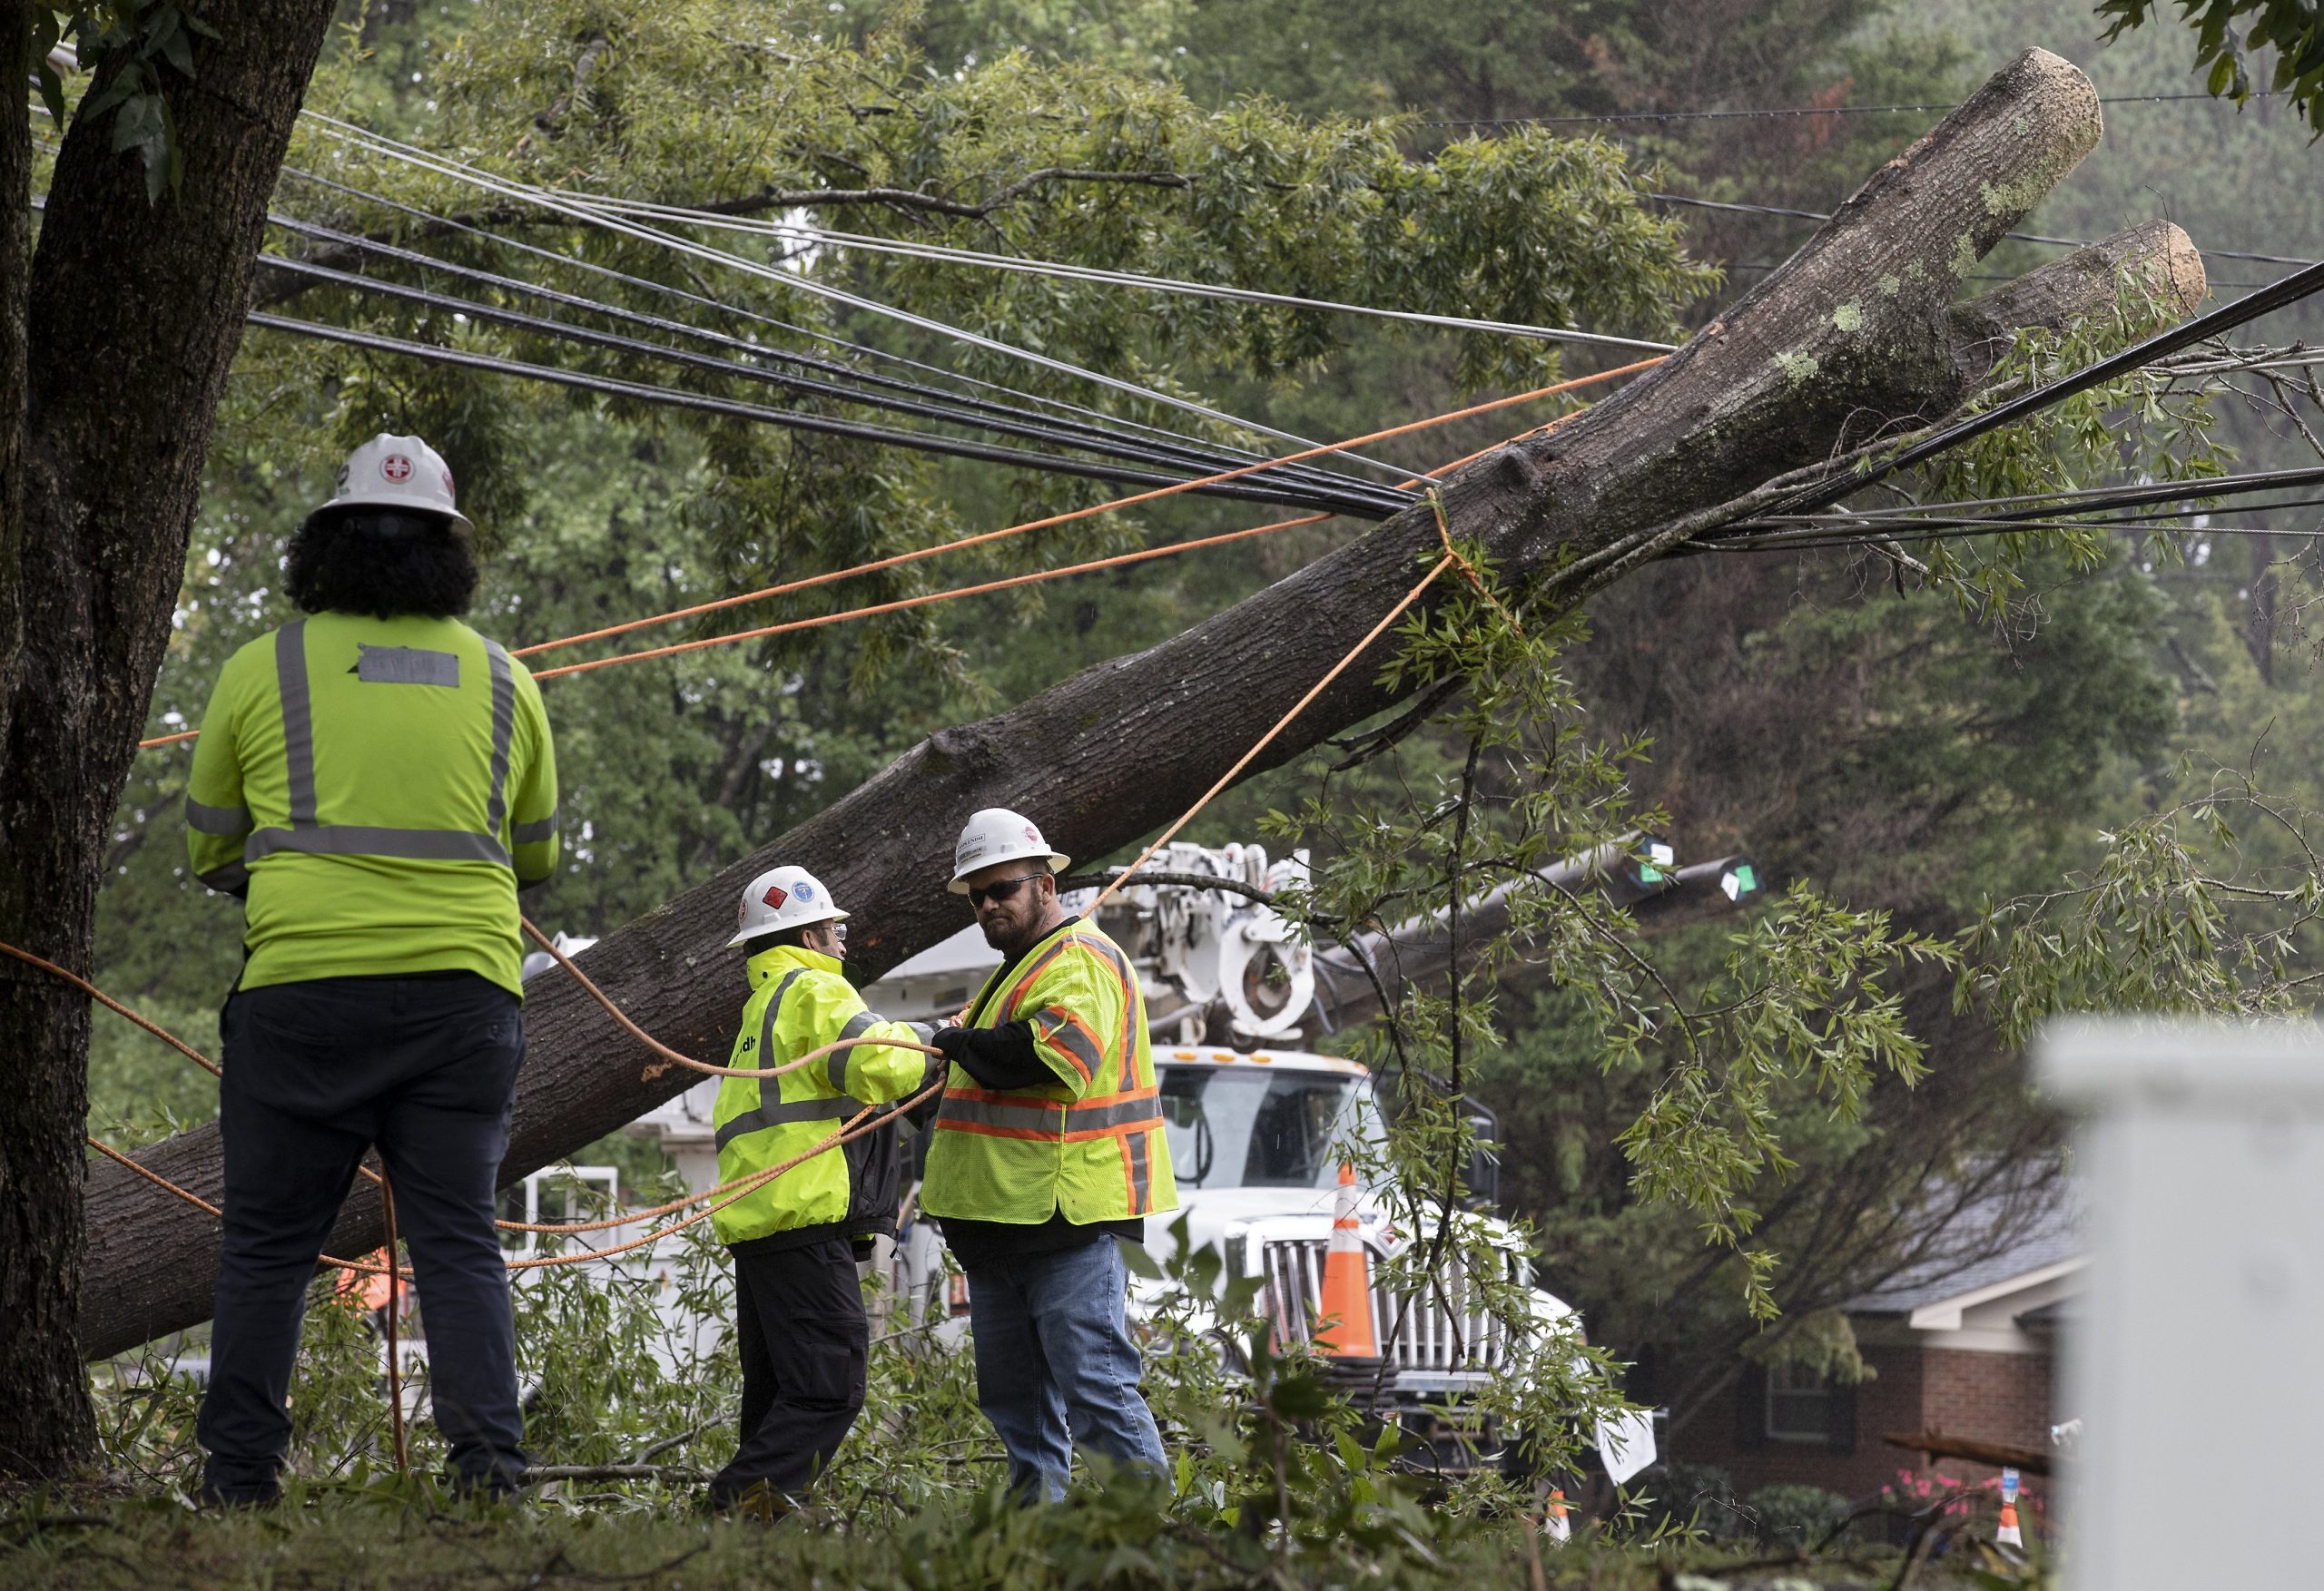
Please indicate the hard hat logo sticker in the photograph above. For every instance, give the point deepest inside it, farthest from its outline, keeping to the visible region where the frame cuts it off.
(776, 895)
(804, 891)
(1032, 835)
(396, 468)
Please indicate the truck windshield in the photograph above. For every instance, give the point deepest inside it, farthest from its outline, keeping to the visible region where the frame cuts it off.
(1236, 1127)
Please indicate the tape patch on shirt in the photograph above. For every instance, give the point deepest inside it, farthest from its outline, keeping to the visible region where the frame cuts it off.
(406, 665)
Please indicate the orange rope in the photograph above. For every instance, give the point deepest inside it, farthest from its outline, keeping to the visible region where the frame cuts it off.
(984, 536)
(106, 1000)
(199, 1203)
(1072, 515)
(629, 1218)
(1142, 555)
(1227, 778)
(667, 1054)
(847, 1134)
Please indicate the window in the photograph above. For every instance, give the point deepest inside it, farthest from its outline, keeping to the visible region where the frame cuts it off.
(1801, 1404)
(1240, 1128)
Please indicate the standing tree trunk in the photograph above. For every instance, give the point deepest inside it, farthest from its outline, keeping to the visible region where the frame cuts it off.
(1856, 333)
(116, 333)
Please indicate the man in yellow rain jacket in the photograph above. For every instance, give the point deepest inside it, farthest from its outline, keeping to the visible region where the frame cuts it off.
(375, 780)
(1048, 1154)
(796, 1238)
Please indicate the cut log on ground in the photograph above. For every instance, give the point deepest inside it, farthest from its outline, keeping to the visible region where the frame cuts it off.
(1858, 336)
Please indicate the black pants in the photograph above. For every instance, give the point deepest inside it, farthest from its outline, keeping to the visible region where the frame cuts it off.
(804, 1341)
(317, 1073)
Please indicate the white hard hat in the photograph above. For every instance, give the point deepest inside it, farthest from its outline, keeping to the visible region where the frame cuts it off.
(397, 472)
(783, 897)
(998, 835)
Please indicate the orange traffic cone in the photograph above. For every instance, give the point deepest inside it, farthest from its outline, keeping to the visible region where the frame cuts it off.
(2009, 1535)
(1345, 1328)
(1554, 1523)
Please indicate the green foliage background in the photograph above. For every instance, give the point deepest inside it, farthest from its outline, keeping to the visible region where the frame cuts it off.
(1916, 756)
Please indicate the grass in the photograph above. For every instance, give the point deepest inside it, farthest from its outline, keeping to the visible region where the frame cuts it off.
(394, 1537)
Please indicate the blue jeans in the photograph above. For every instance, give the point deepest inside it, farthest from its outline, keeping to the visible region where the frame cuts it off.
(1056, 1368)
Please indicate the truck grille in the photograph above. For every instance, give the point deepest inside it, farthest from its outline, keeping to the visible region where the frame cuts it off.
(1433, 1337)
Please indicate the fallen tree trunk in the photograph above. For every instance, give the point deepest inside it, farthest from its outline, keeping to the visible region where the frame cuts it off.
(1855, 335)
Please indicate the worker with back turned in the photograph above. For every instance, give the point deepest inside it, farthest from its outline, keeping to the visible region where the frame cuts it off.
(375, 780)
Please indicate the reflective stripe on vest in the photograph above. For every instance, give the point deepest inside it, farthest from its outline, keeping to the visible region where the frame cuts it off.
(781, 1114)
(308, 835)
(1048, 1120)
(835, 1063)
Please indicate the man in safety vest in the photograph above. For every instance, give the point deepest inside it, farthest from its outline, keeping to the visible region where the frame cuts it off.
(377, 781)
(1046, 1155)
(796, 1238)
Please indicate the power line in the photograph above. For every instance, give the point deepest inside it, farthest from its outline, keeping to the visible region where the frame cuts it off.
(940, 406)
(2289, 290)
(1819, 215)
(1788, 111)
(639, 392)
(940, 252)
(1349, 496)
(544, 199)
(828, 340)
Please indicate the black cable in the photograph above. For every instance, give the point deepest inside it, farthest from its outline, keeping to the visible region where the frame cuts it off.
(1932, 523)
(2098, 499)
(2135, 99)
(1205, 458)
(1064, 406)
(2299, 285)
(1249, 489)
(1360, 497)
(2020, 236)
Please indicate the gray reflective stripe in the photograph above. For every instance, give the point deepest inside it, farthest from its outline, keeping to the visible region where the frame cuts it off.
(406, 665)
(533, 833)
(774, 1005)
(419, 845)
(783, 1114)
(233, 875)
(835, 1063)
(504, 723)
(230, 822)
(987, 1113)
(427, 845)
(298, 720)
(1141, 1197)
(1062, 1035)
(1146, 1110)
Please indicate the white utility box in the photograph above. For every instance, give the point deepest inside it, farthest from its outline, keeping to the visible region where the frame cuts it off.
(2195, 1369)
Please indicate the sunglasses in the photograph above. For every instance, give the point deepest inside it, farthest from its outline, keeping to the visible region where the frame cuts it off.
(1000, 889)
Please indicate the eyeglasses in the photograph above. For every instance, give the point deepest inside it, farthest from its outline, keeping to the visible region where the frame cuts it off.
(1000, 889)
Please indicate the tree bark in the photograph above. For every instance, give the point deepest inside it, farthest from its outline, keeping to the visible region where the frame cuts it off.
(1858, 334)
(117, 338)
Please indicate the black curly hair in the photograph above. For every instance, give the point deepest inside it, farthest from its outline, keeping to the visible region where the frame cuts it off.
(380, 561)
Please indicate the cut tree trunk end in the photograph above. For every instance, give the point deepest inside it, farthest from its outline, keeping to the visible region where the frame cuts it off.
(1858, 336)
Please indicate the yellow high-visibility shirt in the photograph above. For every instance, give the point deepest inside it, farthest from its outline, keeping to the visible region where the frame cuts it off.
(380, 788)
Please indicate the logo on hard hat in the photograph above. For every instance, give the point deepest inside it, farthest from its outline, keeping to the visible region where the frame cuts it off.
(776, 895)
(396, 468)
(1032, 835)
(804, 891)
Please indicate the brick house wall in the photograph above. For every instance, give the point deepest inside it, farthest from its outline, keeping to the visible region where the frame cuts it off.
(1994, 1396)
